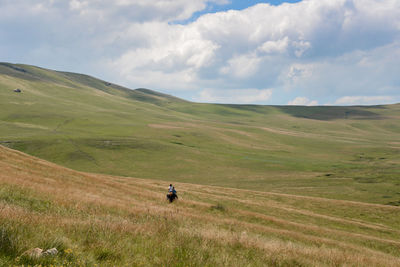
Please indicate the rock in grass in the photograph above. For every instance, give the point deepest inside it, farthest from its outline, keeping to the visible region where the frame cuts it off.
(36, 253)
(33, 253)
(50, 252)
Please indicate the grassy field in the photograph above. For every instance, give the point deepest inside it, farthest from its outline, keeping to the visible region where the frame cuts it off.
(349, 153)
(102, 220)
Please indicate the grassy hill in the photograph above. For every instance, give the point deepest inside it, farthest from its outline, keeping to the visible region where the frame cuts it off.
(102, 220)
(80, 122)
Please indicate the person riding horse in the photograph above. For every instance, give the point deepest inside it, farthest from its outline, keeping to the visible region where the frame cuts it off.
(171, 193)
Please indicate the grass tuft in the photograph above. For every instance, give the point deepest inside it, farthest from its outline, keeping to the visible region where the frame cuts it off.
(24, 198)
(105, 254)
(218, 207)
(8, 242)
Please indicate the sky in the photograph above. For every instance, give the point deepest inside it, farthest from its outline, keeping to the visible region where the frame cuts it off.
(309, 52)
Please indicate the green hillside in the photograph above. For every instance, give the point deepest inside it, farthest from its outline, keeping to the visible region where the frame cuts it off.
(87, 124)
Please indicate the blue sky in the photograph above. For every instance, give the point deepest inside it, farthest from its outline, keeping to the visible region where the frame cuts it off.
(310, 52)
(242, 4)
(239, 5)
(232, 5)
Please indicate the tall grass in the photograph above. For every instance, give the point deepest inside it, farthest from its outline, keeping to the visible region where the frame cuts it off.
(99, 220)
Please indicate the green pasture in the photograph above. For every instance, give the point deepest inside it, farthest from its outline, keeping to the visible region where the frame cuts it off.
(86, 124)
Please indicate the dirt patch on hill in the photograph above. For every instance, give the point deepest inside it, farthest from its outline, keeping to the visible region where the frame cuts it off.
(285, 132)
(164, 126)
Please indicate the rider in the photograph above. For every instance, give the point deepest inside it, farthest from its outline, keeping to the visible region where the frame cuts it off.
(171, 193)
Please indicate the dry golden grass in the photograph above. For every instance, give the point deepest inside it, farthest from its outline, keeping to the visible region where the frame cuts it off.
(115, 221)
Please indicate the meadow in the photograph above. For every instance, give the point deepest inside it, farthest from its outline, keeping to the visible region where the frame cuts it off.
(85, 165)
(102, 220)
(91, 125)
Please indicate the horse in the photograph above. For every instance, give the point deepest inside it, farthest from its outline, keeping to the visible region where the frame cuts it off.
(171, 197)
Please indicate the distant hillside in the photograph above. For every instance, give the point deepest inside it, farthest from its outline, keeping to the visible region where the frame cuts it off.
(100, 220)
(92, 125)
(75, 80)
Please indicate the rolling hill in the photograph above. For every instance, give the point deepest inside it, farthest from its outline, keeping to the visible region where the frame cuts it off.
(103, 220)
(83, 123)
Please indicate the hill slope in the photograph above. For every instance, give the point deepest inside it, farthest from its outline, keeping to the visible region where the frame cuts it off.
(95, 219)
(91, 125)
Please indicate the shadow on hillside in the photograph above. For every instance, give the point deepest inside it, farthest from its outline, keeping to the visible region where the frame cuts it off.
(16, 72)
(253, 108)
(333, 113)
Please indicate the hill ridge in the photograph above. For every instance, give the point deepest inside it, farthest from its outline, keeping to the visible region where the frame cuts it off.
(30, 72)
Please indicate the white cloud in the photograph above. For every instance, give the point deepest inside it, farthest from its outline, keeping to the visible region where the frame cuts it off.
(302, 101)
(113, 11)
(278, 46)
(282, 46)
(301, 47)
(240, 96)
(299, 71)
(78, 5)
(187, 50)
(362, 72)
(242, 66)
(365, 100)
